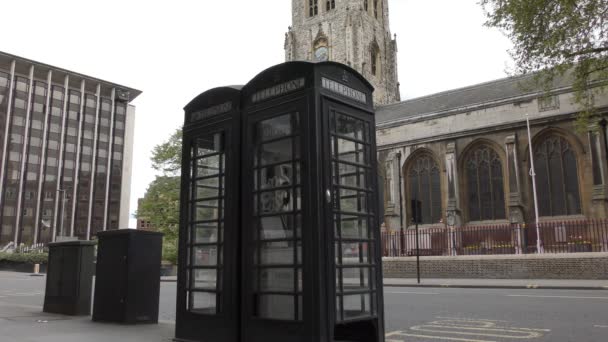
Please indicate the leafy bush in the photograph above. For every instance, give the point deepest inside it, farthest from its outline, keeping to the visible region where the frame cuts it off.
(170, 251)
(25, 258)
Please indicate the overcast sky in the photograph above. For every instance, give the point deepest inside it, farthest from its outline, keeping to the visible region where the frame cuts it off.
(174, 50)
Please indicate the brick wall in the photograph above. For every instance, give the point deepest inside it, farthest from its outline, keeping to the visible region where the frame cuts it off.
(547, 266)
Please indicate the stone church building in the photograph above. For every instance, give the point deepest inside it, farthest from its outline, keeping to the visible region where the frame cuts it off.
(463, 153)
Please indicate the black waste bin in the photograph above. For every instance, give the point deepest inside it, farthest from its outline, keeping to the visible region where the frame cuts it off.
(69, 278)
(127, 283)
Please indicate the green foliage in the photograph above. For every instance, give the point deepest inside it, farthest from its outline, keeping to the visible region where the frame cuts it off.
(167, 157)
(160, 204)
(25, 258)
(556, 38)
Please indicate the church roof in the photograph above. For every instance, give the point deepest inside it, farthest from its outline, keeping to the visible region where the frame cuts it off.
(463, 98)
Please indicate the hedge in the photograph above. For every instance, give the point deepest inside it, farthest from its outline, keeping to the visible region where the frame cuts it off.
(25, 258)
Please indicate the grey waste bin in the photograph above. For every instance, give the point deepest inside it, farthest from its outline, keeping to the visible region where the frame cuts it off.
(69, 278)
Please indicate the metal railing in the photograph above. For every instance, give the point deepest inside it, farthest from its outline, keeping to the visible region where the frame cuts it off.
(556, 237)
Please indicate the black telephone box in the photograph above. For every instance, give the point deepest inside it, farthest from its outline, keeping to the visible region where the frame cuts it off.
(298, 253)
(208, 278)
(311, 253)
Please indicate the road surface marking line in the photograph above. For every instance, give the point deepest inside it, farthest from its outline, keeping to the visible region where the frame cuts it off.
(600, 326)
(444, 338)
(565, 297)
(470, 319)
(392, 334)
(485, 325)
(406, 292)
(459, 323)
(530, 334)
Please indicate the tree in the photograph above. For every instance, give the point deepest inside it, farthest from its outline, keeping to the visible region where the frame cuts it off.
(556, 38)
(160, 205)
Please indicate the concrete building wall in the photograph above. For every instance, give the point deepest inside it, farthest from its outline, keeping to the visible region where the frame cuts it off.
(127, 169)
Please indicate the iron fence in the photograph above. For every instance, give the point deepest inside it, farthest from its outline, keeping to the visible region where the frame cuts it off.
(556, 237)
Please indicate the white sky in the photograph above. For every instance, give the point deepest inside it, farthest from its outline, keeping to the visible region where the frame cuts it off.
(174, 50)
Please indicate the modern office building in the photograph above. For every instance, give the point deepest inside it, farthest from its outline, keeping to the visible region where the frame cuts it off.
(66, 144)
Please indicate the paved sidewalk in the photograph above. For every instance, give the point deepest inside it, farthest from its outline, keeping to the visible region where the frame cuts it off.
(501, 283)
(27, 323)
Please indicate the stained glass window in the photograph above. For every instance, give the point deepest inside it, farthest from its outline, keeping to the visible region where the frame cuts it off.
(485, 189)
(424, 186)
(556, 177)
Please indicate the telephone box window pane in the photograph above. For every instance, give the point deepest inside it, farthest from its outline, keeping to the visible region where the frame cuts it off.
(276, 307)
(355, 253)
(277, 176)
(274, 128)
(355, 279)
(277, 280)
(352, 216)
(204, 279)
(350, 127)
(208, 166)
(353, 227)
(278, 253)
(203, 302)
(206, 211)
(206, 189)
(351, 176)
(206, 233)
(353, 201)
(206, 256)
(276, 201)
(356, 306)
(277, 227)
(210, 145)
(279, 151)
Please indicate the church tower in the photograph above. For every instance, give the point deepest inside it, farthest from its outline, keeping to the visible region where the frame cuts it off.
(352, 32)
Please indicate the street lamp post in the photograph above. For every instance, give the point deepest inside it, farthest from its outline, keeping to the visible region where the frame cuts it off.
(539, 244)
(62, 191)
(401, 232)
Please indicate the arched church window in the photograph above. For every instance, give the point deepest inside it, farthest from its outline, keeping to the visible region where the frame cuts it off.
(424, 186)
(375, 58)
(331, 4)
(321, 49)
(556, 177)
(313, 7)
(485, 188)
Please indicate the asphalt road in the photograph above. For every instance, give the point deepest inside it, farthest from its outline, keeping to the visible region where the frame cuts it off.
(435, 314)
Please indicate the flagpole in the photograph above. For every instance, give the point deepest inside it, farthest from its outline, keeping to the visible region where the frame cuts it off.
(539, 245)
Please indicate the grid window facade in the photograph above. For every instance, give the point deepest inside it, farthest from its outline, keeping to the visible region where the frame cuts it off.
(49, 138)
